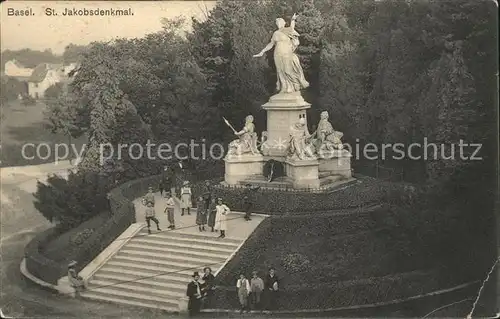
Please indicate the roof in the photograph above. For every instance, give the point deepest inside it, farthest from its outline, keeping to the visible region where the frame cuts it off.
(39, 73)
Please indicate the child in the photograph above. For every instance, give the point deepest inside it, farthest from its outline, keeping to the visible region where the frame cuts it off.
(150, 216)
(186, 198)
(201, 214)
(243, 291)
(169, 210)
(256, 286)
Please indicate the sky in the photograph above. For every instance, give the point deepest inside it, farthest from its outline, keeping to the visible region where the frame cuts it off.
(40, 32)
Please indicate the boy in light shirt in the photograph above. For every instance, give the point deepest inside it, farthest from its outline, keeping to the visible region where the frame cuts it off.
(169, 210)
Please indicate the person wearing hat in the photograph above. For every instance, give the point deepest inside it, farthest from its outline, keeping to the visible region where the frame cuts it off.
(194, 294)
(75, 280)
(201, 214)
(222, 211)
(256, 288)
(186, 194)
(151, 216)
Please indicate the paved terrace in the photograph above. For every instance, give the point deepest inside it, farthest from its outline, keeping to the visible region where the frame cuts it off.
(238, 228)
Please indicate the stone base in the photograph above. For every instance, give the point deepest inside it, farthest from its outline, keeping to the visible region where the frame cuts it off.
(303, 173)
(283, 111)
(242, 167)
(337, 163)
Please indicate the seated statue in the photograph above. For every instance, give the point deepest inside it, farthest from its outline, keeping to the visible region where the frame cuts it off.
(300, 142)
(326, 138)
(247, 139)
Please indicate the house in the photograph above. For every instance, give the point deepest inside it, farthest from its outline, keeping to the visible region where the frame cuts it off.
(15, 70)
(45, 75)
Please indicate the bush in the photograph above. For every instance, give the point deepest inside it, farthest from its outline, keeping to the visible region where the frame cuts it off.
(73, 201)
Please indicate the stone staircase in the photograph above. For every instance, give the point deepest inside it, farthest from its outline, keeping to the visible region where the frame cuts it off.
(153, 270)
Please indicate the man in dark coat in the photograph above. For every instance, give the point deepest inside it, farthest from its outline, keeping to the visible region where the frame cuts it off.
(166, 182)
(271, 289)
(194, 293)
(248, 200)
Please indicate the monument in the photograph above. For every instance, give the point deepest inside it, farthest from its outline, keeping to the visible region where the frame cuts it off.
(311, 160)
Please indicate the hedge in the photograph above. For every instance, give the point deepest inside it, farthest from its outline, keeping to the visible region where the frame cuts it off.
(363, 192)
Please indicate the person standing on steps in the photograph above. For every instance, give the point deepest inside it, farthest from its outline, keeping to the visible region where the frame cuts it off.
(186, 194)
(208, 286)
(151, 216)
(248, 200)
(194, 294)
(169, 210)
(222, 212)
(243, 287)
(201, 214)
(271, 286)
(212, 214)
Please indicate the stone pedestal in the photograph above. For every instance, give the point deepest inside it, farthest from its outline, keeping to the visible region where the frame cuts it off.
(242, 167)
(283, 111)
(338, 162)
(303, 173)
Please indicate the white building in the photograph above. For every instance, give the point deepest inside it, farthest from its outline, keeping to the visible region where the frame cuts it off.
(14, 69)
(44, 76)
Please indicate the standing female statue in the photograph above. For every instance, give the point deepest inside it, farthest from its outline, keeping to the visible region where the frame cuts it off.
(290, 74)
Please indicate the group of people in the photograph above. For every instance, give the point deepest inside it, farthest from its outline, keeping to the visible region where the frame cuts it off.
(253, 294)
(210, 212)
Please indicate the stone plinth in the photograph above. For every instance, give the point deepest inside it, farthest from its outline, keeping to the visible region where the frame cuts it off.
(242, 167)
(283, 111)
(303, 173)
(338, 162)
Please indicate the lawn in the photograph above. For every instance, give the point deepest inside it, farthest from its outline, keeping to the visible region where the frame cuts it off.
(23, 124)
(327, 262)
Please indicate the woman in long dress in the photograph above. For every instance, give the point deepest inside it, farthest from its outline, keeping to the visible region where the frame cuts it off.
(285, 41)
(186, 202)
(201, 214)
(221, 217)
(211, 213)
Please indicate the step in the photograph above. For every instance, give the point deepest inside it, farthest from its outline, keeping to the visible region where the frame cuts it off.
(173, 249)
(178, 285)
(157, 270)
(178, 233)
(213, 241)
(133, 287)
(142, 304)
(169, 257)
(119, 296)
(179, 244)
(135, 275)
(158, 263)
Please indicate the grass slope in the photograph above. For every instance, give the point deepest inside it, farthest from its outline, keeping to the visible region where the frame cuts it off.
(26, 124)
(327, 262)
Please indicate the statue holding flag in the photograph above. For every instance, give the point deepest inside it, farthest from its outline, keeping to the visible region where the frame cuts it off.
(247, 139)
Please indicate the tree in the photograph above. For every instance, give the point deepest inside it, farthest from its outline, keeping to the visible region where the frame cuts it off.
(54, 91)
(73, 53)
